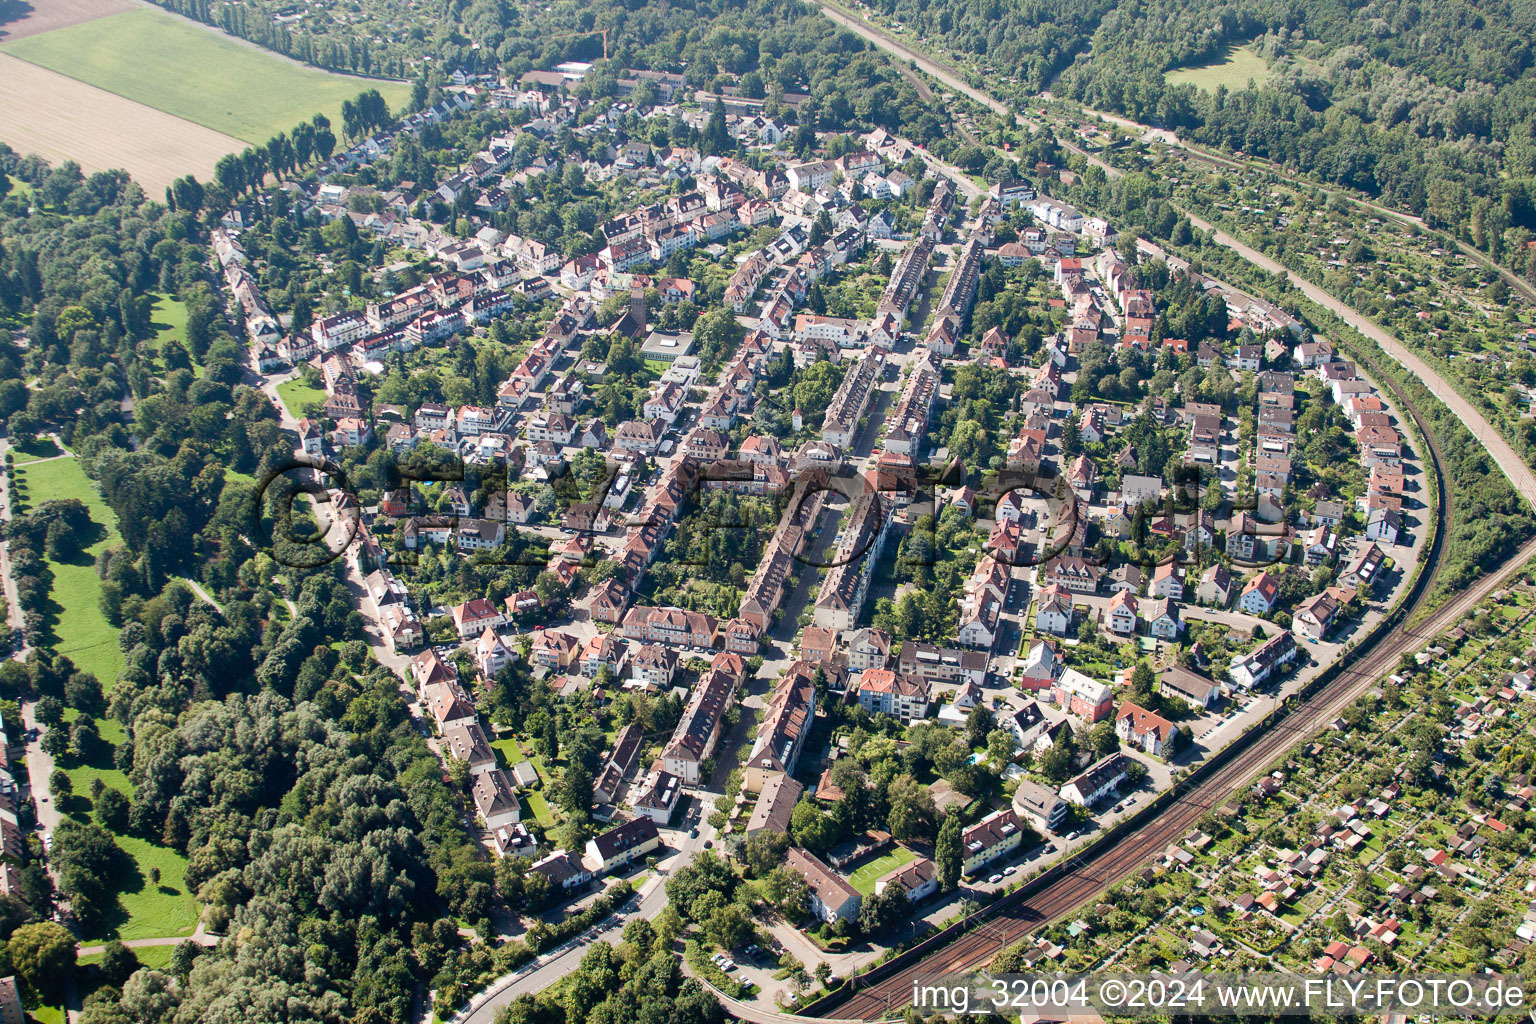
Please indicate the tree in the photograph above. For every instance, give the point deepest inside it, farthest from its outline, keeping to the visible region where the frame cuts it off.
(112, 809)
(44, 955)
(728, 927)
(118, 963)
(1055, 762)
(1000, 746)
(785, 891)
(88, 861)
(912, 809)
(811, 828)
(883, 910)
(946, 853)
(763, 852)
(1105, 741)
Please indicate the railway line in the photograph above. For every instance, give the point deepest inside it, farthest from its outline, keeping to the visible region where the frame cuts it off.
(1014, 918)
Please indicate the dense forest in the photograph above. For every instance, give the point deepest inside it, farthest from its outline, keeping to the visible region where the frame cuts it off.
(1428, 106)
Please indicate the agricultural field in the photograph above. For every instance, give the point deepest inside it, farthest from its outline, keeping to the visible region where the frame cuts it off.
(1241, 65)
(193, 73)
(34, 19)
(60, 118)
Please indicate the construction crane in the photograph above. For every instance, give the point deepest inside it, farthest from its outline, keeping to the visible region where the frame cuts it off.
(591, 32)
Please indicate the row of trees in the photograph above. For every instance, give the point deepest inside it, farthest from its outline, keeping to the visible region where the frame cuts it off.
(240, 172)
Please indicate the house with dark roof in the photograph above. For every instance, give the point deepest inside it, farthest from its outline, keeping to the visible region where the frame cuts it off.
(774, 805)
(621, 845)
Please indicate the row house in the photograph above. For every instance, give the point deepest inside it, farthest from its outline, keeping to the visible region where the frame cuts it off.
(907, 279)
(673, 626)
(786, 723)
(846, 585)
(908, 423)
(698, 731)
(841, 421)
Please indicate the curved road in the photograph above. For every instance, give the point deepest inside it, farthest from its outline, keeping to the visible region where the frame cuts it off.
(1514, 467)
(1520, 475)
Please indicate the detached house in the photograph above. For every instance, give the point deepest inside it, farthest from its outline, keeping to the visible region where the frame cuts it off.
(1260, 595)
(1144, 729)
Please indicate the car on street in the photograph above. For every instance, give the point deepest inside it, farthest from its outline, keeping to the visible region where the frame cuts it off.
(995, 879)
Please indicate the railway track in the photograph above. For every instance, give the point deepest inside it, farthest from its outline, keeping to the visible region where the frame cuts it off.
(1013, 918)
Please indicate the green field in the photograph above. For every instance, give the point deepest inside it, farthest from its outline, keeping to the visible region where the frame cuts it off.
(1234, 72)
(866, 875)
(297, 396)
(155, 911)
(38, 448)
(148, 910)
(194, 73)
(83, 632)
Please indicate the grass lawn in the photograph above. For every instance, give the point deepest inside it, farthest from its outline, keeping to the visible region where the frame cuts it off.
(154, 957)
(37, 448)
(297, 396)
(168, 317)
(155, 911)
(540, 808)
(148, 910)
(511, 752)
(190, 72)
(83, 633)
(1240, 65)
(864, 877)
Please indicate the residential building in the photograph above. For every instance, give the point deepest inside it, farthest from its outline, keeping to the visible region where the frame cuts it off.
(1249, 670)
(991, 838)
(1145, 730)
(785, 724)
(1084, 697)
(1038, 805)
(621, 846)
(1100, 780)
(882, 691)
(495, 800)
(829, 896)
(918, 878)
(775, 803)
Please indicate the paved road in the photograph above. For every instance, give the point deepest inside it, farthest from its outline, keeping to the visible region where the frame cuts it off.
(1514, 467)
(551, 967)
